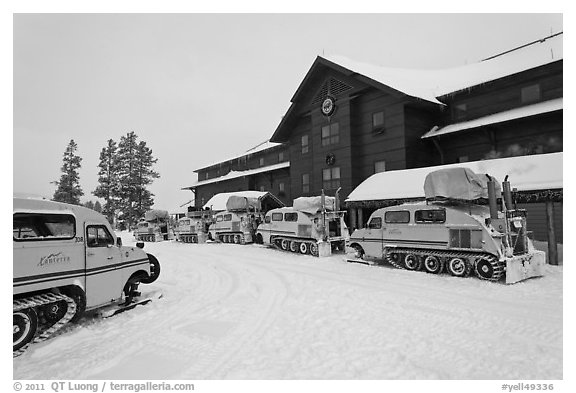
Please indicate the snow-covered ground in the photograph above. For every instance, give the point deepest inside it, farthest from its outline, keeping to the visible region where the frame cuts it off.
(250, 312)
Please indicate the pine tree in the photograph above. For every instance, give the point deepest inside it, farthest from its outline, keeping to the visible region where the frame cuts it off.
(68, 187)
(134, 174)
(89, 205)
(98, 207)
(108, 179)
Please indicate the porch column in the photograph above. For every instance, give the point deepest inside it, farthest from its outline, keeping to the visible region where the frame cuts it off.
(353, 212)
(552, 246)
(360, 218)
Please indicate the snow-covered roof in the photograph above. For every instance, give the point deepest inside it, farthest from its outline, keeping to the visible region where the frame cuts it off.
(256, 149)
(237, 174)
(526, 173)
(218, 201)
(431, 84)
(512, 114)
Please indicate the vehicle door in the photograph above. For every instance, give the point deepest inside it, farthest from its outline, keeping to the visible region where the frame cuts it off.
(103, 282)
(372, 243)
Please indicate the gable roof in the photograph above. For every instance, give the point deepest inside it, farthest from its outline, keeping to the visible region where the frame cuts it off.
(430, 85)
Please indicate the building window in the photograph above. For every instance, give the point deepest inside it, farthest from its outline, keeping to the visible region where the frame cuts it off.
(463, 159)
(330, 134)
(261, 161)
(530, 94)
(460, 111)
(304, 144)
(281, 187)
(379, 166)
(262, 188)
(281, 156)
(331, 178)
(378, 119)
(305, 183)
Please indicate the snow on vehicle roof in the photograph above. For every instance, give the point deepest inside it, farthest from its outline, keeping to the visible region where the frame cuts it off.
(431, 84)
(218, 201)
(512, 114)
(526, 173)
(236, 174)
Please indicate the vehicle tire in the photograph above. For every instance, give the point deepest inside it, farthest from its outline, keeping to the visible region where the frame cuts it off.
(154, 270)
(25, 323)
(314, 249)
(303, 248)
(413, 262)
(459, 267)
(54, 312)
(237, 239)
(488, 269)
(285, 244)
(293, 246)
(433, 264)
(358, 251)
(259, 239)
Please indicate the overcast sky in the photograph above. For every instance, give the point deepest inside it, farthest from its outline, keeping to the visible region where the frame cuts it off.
(199, 88)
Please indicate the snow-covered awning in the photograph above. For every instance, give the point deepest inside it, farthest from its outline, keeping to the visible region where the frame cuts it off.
(256, 149)
(218, 201)
(526, 173)
(237, 174)
(512, 114)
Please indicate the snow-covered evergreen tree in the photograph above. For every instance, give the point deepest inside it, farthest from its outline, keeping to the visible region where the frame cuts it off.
(135, 174)
(68, 187)
(108, 180)
(98, 207)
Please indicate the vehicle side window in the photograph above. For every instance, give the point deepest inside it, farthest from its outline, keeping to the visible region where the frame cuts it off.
(290, 216)
(98, 236)
(227, 217)
(32, 226)
(397, 217)
(276, 216)
(267, 219)
(375, 223)
(430, 216)
(218, 218)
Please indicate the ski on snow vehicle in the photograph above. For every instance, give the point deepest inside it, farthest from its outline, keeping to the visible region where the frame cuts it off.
(67, 261)
(453, 232)
(313, 225)
(238, 223)
(194, 227)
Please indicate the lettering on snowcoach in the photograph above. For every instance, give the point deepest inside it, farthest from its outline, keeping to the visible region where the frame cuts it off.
(53, 259)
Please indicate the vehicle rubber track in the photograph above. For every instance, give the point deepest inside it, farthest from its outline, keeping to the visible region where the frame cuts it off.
(311, 245)
(193, 238)
(498, 267)
(43, 300)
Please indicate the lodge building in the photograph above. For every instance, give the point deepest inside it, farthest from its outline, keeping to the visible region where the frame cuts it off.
(349, 120)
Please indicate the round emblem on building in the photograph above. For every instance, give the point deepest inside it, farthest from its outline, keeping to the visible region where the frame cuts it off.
(330, 159)
(328, 106)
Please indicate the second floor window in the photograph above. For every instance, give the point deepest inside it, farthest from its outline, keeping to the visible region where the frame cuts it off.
(330, 134)
(305, 183)
(261, 161)
(379, 166)
(530, 94)
(331, 178)
(281, 156)
(305, 144)
(459, 111)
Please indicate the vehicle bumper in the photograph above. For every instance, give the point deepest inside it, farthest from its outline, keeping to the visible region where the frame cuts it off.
(522, 267)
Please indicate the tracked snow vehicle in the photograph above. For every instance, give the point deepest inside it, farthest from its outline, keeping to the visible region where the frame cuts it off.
(67, 260)
(312, 225)
(154, 227)
(452, 232)
(194, 227)
(238, 223)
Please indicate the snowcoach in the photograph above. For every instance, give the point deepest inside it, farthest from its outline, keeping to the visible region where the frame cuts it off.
(194, 227)
(313, 225)
(237, 224)
(67, 260)
(154, 227)
(454, 231)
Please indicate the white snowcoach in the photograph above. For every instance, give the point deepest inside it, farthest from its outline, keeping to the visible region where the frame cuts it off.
(237, 224)
(154, 227)
(311, 226)
(66, 261)
(452, 231)
(194, 227)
